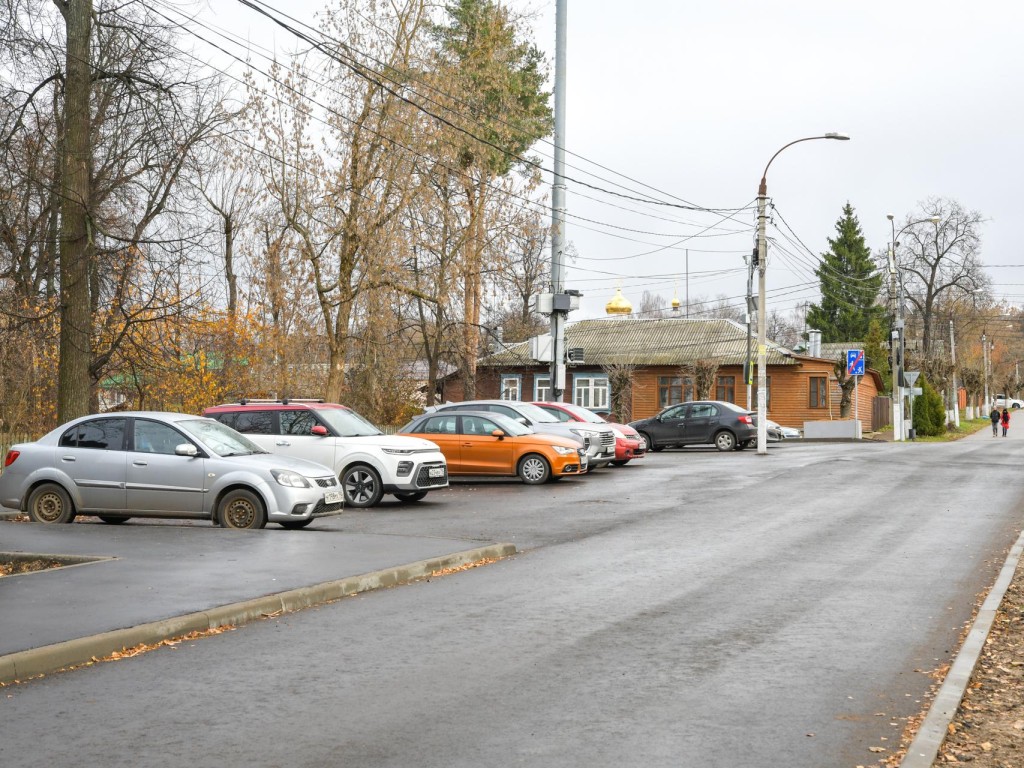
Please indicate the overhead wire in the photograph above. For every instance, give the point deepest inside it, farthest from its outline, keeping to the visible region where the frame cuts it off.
(534, 204)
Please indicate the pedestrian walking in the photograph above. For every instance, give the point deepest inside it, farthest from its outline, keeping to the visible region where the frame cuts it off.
(1005, 421)
(995, 417)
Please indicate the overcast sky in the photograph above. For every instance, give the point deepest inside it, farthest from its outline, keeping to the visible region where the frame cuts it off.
(690, 100)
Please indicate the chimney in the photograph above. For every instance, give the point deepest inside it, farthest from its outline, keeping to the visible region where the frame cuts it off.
(814, 342)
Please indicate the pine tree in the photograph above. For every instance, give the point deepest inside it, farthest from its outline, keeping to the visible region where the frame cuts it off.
(848, 288)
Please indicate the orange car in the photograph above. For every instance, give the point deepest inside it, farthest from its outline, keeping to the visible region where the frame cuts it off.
(483, 443)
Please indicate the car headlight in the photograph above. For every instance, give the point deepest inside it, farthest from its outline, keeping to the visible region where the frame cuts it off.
(399, 451)
(289, 478)
(583, 432)
(561, 450)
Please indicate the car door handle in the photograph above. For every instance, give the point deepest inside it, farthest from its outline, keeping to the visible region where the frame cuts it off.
(140, 463)
(67, 458)
(282, 442)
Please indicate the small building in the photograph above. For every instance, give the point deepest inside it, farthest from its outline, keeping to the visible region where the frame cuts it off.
(666, 361)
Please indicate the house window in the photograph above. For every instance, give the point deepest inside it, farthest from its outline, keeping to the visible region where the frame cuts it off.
(542, 388)
(591, 392)
(511, 386)
(726, 389)
(674, 389)
(767, 393)
(819, 392)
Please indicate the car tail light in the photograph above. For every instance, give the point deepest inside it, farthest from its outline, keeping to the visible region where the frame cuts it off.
(745, 419)
(11, 456)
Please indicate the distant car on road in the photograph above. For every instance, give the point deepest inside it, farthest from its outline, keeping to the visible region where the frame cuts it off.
(724, 425)
(777, 432)
(486, 443)
(628, 443)
(156, 464)
(1002, 401)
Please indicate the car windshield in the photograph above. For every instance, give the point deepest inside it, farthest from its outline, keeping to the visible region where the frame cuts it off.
(220, 439)
(582, 413)
(511, 426)
(535, 413)
(734, 407)
(347, 423)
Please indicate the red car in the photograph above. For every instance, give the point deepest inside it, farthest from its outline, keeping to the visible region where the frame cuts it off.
(629, 444)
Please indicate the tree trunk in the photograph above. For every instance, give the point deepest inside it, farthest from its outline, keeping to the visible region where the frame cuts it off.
(76, 247)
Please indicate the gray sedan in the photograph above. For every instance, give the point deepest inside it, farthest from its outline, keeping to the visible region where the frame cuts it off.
(155, 464)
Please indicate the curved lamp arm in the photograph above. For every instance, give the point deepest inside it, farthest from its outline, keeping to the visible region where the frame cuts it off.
(763, 189)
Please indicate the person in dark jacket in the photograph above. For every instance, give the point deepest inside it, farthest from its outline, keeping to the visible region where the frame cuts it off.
(1005, 419)
(995, 417)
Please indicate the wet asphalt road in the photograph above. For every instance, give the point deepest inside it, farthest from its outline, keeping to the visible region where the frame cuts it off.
(693, 608)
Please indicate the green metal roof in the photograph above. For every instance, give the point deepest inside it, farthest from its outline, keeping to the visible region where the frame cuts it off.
(650, 341)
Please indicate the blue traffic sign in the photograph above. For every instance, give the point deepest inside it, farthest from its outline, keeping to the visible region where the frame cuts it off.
(855, 362)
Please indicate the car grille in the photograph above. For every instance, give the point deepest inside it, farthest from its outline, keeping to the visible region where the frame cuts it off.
(327, 509)
(326, 482)
(424, 480)
(607, 438)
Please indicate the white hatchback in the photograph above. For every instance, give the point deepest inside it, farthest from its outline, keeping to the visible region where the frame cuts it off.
(368, 462)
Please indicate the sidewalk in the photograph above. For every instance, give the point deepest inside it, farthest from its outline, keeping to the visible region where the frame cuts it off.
(153, 582)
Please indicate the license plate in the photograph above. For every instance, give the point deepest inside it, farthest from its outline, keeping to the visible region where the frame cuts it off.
(435, 472)
(643, 445)
(333, 497)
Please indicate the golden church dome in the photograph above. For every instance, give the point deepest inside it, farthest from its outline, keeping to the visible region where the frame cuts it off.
(619, 305)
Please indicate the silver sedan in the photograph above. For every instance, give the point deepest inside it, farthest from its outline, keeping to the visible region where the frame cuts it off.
(155, 464)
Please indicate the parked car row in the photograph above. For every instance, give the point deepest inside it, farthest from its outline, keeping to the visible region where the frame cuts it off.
(244, 464)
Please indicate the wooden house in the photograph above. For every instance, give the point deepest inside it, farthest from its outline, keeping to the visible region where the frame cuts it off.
(663, 358)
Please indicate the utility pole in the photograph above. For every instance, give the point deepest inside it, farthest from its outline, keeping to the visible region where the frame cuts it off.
(687, 282)
(984, 357)
(952, 360)
(896, 347)
(560, 310)
(748, 367)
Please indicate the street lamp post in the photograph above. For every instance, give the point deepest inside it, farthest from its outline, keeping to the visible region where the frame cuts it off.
(898, 348)
(762, 323)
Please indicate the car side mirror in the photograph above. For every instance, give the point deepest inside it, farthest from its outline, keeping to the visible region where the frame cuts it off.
(522, 420)
(319, 430)
(186, 449)
(500, 434)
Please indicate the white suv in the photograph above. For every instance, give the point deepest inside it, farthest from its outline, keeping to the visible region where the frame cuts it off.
(368, 462)
(1002, 401)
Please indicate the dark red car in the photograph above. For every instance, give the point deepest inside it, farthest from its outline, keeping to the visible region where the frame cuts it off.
(629, 444)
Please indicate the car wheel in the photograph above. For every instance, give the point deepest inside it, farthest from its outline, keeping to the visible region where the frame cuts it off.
(725, 441)
(49, 503)
(621, 463)
(534, 469)
(241, 509)
(650, 443)
(362, 486)
(408, 497)
(113, 519)
(294, 525)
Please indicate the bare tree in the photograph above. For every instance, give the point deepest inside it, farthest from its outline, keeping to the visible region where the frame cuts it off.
(940, 263)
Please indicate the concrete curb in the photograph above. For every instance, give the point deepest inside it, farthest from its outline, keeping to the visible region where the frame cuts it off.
(924, 749)
(52, 658)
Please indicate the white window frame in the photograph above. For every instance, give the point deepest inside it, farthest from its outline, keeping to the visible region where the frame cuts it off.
(541, 387)
(511, 384)
(591, 390)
